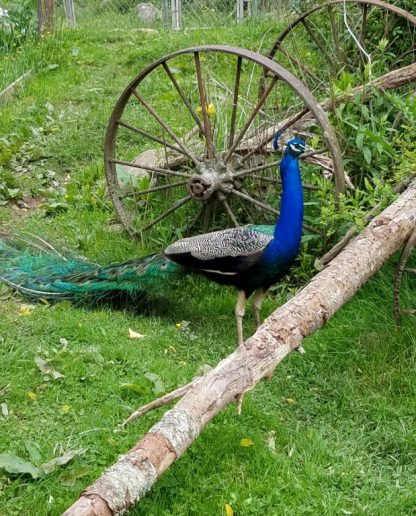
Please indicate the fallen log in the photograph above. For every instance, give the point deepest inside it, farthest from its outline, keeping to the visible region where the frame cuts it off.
(128, 480)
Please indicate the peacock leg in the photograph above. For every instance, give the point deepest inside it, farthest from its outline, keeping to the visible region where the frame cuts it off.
(257, 300)
(239, 314)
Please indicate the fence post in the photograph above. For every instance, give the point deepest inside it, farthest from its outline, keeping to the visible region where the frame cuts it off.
(165, 14)
(70, 12)
(240, 10)
(45, 10)
(176, 14)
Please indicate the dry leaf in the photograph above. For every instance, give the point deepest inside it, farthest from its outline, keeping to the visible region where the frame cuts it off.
(271, 441)
(45, 368)
(291, 401)
(50, 466)
(31, 395)
(4, 410)
(135, 335)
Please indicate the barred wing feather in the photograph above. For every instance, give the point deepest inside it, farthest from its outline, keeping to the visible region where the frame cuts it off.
(227, 251)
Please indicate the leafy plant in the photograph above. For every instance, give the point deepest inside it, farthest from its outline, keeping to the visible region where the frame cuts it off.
(16, 24)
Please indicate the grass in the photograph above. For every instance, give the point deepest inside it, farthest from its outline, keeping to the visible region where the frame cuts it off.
(341, 417)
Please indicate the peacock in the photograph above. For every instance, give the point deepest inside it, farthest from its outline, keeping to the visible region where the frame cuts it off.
(251, 258)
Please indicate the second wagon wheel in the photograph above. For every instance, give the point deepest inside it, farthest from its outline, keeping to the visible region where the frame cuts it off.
(362, 38)
(347, 52)
(188, 145)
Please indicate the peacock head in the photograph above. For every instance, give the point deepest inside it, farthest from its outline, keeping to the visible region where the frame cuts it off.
(295, 147)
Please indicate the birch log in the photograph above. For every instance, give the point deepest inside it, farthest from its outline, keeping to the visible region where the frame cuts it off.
(127, 481)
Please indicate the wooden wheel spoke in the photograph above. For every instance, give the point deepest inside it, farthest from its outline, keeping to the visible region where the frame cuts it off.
(202, 97)
(335, 36)
(160, 188)
(207, 215)
(268, 208)
(165, 126)
(156, 170)
(256, 202)
(166, 213)
(316, 40)
(295, 62)
(363, 28)
(230, 213)
(277, 181)
(250, 119)
(314, 152)
(255, 169)
(150, 136)
(235, 102)
(267, 179)
(284, 126)
(182, 95)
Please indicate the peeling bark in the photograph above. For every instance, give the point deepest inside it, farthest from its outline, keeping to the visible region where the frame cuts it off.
(127, 481)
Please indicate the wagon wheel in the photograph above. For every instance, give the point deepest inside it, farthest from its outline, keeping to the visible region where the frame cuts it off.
(345, 44)
(190, 142)
(401, 268)
(344, 36)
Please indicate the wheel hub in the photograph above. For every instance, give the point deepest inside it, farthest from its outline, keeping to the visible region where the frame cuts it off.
(212, 177)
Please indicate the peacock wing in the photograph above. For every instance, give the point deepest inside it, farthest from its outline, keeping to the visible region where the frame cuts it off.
(228, 251)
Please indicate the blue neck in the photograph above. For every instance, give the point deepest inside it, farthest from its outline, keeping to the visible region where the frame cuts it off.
(288, 230)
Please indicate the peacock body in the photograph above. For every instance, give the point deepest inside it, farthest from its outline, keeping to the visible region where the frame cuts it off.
(251, 258)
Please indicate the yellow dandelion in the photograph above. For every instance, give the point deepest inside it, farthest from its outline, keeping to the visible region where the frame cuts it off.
(26, 309)
(210, 109)
(246, 442)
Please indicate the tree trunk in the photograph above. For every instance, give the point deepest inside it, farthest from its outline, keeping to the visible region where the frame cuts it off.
(127, 481)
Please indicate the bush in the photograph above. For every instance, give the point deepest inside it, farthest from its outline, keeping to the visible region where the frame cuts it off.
(17, 23)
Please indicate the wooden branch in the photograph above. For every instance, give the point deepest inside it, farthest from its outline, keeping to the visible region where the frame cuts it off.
(9, 91)
(160, 402)
(128, 480)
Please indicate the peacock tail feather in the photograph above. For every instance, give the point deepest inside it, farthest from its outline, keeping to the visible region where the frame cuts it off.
(41, 272)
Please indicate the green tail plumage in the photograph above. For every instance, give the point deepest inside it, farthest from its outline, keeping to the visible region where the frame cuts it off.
(41, 272)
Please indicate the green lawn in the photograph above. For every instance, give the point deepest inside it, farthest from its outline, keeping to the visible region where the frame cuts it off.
(332, 432)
